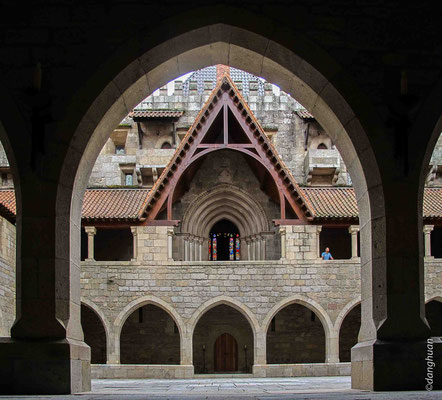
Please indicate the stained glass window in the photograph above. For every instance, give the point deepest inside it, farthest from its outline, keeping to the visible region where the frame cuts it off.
(237, 248)
(210, 249)
(214, 250)
(231, 253)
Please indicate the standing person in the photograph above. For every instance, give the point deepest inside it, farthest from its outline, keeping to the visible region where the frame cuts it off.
(326, 255)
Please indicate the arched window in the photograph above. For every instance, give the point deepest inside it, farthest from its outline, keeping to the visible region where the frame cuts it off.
(166, 145)
(322, 146)
(224, 242)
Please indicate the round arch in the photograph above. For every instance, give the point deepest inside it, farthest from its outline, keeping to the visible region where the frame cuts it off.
(306, 302)
(228, 301)
(210, 206)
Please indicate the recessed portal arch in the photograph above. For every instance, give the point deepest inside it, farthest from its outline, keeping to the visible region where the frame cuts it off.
(152, 68)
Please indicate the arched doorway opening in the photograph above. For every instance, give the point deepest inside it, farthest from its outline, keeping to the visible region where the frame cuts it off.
(348, 333)
(295, 335)
(224, 241)
(150, 336)
(94, 334)
(222, 342)
(433, 313)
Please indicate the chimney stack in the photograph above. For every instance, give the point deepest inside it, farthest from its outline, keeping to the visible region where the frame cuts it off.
(222, 70)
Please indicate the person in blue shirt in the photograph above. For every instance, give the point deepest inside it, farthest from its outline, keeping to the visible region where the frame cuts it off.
(326, 255)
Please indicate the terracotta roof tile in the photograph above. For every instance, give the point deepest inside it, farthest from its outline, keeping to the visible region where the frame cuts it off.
(106, 204)
(332, 202)
(7, 204)
(156, 114)
(433, 202)
(125, 204)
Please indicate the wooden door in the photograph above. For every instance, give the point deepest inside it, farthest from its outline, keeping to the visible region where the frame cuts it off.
(226, 354)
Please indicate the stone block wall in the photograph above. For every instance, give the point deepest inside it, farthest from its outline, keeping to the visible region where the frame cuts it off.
(152, 243)
(301, 242)
(7, 276)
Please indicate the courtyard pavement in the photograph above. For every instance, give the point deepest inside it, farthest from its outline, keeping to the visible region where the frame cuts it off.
(308, 388)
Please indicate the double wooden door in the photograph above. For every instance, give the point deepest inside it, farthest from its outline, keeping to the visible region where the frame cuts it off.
(226, 354)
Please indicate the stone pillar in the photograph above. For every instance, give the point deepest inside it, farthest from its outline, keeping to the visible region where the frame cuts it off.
(192, 248)
(260, 355)
(249, 248)
(282, 232)
(135, 242)
(332, 348)
(263, 247)
(170, 244)
(353, 230)
(91, 231)
(318, 240)
(113, 347)
(252, 248)
(257, 247)
(186, 349)
(186, 248)
(427, 240)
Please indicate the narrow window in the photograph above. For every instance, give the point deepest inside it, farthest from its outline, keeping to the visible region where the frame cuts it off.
(119, 149)
(129, 179)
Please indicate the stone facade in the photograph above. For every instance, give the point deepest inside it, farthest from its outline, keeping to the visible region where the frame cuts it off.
(7, 276)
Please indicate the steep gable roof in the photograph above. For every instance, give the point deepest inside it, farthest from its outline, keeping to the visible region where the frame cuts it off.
(225, 101)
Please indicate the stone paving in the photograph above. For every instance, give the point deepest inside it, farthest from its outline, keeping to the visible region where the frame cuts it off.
(308, 388)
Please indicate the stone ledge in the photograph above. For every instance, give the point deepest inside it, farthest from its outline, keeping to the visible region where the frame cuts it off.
(141, 371)
(293, 370)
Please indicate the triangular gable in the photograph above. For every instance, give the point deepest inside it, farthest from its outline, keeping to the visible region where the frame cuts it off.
(226, 100)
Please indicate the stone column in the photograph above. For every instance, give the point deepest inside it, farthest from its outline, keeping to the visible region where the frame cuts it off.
(263, 247)
(260, 355)
(257, 247)
(170, 244)
(427, 240)
(282, 232)
(249, 248)
(186, 349)
(202, 240)
(332, 348)
(318, 240)
(353, 230)
(192, 248)
(113, 347)
(91, 231)
(186, 248)
(135, 242)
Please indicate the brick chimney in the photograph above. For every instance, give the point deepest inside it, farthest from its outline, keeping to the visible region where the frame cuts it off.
(221, 70)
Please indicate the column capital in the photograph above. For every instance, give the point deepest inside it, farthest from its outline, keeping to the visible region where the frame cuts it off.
(318, 228)
(170, 231)
(90, 230)
(353, 229)
(428, 228)
(134, 230)
(282, 230)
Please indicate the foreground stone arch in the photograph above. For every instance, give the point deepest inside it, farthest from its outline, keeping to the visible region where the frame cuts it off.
(166, 53)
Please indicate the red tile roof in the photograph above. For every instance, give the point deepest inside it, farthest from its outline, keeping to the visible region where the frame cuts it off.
(304, 114)
(433, 202)
(332, 202)
(7, 204)
(125, 204)
(113, 204)
(156, 114)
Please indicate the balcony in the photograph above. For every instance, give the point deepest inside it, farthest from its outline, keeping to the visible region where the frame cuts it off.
(322, 167)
